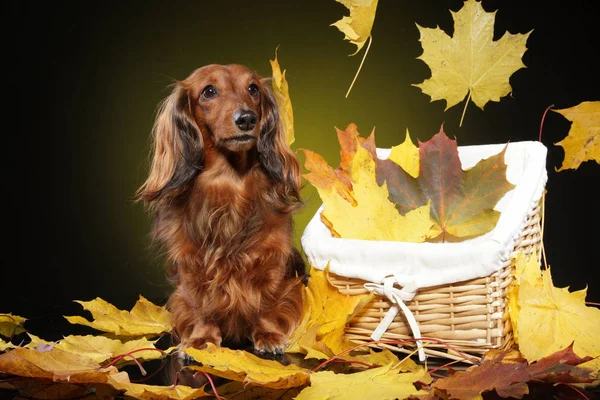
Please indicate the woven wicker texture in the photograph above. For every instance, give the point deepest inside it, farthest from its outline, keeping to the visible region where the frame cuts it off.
(471, 316)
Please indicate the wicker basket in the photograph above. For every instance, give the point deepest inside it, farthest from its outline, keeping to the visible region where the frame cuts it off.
(470, 316)
(463, 318)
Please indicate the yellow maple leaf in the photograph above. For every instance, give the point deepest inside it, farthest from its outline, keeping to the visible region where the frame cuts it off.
(54, 364)
(241, 366)
(525, 269)
(470, 62)
(141, 391)
(374, 217)
(357, 26)
(583, 141)
(144, 319)
(5, 345)
(406, 155)
(239, 391)
(282, 96)
(100, 348)
(384, 383)
(11, 325)
(325, 178)
(329, 310)
(549, 319)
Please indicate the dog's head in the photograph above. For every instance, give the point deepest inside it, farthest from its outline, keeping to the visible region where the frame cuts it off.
(222, 108)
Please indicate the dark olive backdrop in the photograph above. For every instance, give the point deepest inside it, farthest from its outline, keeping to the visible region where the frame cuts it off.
(88, 77)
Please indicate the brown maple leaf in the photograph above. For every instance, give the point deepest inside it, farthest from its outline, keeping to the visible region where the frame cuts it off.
(462, 202)
(509, 377)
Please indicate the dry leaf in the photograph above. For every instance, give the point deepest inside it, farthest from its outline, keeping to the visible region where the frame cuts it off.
(406, 155)
(470, 62)
(370, 215)
(462, 202)
(547, 319)
(55, 364)
(381, 383)
(100, 348)
(11, 325)
(144, 319)
(322, 336)
(583, 141)
(509, 379)
(238, 391)
(282, 96)
(241, 366)
(5, 345)
(374, 217)
(357, 27)
(154, 392)
(42, 389)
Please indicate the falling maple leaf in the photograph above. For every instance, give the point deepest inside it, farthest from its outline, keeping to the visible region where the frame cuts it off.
(11, 325)
(357, 27)
(144, 319)
(583, 141)
(383, 383)
(470, 62)
(241, 366)
(282, 96)
(509, 379)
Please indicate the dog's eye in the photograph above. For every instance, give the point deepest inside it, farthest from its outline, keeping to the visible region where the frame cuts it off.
(209, 92)
(253, 90)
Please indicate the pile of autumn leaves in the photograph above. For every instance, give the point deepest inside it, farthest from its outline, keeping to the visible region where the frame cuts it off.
(555, 330)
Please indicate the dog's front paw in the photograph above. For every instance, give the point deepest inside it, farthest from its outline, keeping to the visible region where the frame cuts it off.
(270, 345)
(277, 354)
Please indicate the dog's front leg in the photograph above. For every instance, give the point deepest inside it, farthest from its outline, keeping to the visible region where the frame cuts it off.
(188, 327)
(273, 328)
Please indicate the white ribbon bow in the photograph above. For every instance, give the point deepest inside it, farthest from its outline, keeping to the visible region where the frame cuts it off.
(397, 297)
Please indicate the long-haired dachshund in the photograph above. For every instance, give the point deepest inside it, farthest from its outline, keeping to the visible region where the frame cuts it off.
(222, 186)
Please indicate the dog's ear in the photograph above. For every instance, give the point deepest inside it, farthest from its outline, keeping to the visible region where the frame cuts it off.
(275, 155)
(178, 149)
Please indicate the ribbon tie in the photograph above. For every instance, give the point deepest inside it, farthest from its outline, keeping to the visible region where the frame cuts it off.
(397, 297)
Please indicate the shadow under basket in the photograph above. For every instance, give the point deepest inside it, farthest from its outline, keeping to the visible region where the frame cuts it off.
(470, 317)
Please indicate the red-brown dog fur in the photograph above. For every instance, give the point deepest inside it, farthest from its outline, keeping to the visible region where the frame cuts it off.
(223, 211)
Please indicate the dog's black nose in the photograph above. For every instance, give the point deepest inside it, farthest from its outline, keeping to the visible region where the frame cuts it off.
(245, 119)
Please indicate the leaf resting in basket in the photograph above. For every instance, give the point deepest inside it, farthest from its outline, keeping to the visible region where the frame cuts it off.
(372, 199)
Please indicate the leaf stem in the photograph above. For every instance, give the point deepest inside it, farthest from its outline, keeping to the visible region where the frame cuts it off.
(542, 122)
(360, 66)
(465, 109)
(130, 354)
(212, 384)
